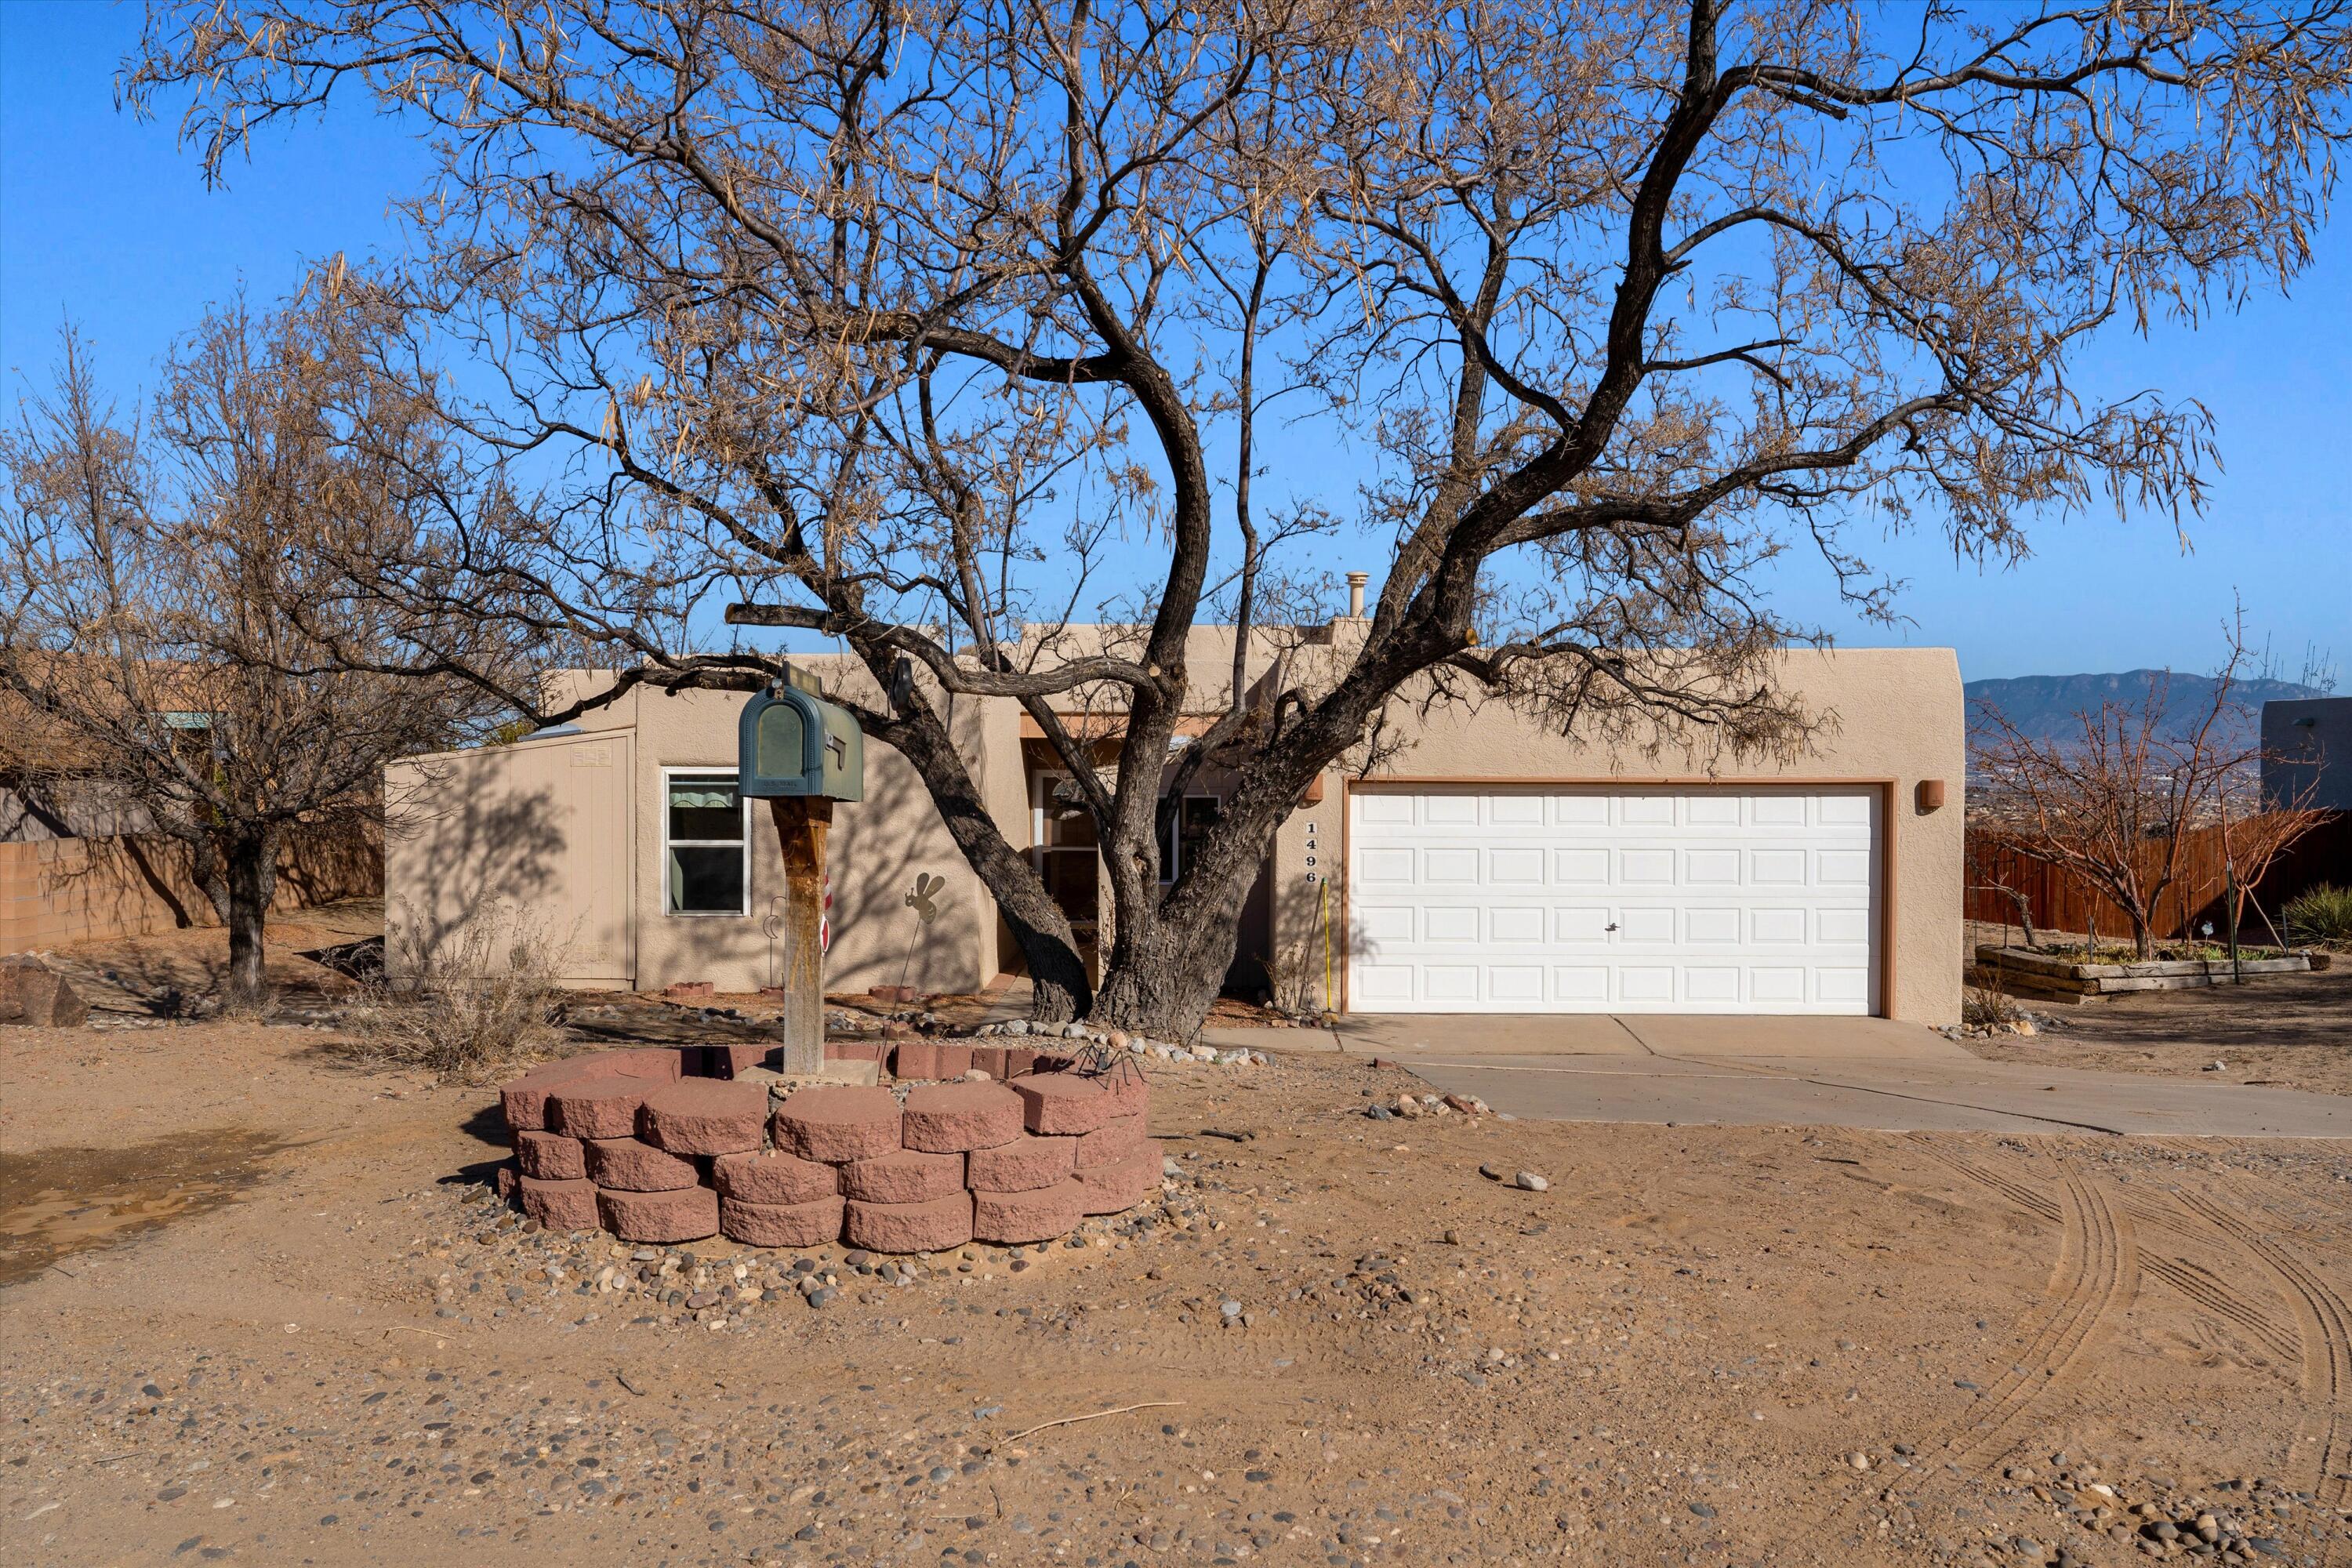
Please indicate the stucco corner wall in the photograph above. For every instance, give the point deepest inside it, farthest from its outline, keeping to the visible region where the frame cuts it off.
(874, 851)
(1892, 717)
(523, 833)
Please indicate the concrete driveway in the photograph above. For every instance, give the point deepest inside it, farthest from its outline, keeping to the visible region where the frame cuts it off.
(1834, 1072)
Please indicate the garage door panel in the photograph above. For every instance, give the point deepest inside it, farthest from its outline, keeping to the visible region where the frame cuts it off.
(1515, 922)
(1841, 927)
(1712, 810)
(1455, 983)
(1636, 924)
(1711, 925)
(1586, 989)
(1843, 810)
(1450, 922)
(1449, 865)
(1646, 983)
(1579, 810)
(1702, 899)
(1516, 810)
(1378, 927)
(1580, 925)
(1703, 985)
(1844, 869)
(1516, 867)
(1645, 867)
(1580, 868)
(1710, 868)
(1450, 810)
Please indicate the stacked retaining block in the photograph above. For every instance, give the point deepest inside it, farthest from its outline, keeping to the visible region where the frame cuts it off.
(667, 1145)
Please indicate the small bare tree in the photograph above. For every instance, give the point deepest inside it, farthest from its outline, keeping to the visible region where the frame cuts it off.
(2255, 832)
(2114, 804)
(155, 576)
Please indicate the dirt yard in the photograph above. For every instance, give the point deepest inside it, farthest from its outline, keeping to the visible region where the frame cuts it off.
(257, 1306)
(2287, 1031)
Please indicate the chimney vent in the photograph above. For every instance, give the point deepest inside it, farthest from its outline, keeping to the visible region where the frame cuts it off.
(1356, 581)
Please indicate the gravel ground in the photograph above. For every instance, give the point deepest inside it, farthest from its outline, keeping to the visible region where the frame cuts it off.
(262, 1308)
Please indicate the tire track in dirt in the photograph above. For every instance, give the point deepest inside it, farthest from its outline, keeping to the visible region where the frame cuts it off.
(2033, 1201)
(2323, 1426)
(2208, 1291)
(2094, 1276)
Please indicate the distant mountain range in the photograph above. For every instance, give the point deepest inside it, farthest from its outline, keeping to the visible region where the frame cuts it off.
(2043, 706)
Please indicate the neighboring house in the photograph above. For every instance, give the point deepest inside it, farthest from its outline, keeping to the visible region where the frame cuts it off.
(2307, 747)
(1491, 865)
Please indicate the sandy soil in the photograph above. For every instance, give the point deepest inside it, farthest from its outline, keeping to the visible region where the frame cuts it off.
(259, 1309)
(2287, 1031)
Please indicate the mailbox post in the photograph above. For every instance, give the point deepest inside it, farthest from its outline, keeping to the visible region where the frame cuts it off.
(800, 753)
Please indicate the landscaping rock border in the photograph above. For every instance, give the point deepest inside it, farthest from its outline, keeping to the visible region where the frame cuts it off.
(677, 1144)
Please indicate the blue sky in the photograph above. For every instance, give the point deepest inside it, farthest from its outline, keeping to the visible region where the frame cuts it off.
(104, 220)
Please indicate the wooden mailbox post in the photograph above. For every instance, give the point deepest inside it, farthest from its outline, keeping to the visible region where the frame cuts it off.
(800, 753)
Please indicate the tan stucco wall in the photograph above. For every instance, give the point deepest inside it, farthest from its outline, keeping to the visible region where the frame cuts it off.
(524, 834)
(1896, 714)
(875, 849)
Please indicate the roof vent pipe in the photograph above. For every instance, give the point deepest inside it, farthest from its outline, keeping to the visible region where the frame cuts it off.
(1356, 581)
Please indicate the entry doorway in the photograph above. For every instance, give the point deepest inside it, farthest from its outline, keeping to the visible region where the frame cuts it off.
(1066, 853)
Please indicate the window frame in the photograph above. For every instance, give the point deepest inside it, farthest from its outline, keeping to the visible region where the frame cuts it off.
(1172, 853)
(671, 774)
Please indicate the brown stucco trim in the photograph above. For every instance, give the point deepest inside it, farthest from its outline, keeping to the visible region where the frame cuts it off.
(1886, 788)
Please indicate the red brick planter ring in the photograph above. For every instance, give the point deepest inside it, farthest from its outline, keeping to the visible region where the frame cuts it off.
(903, 1176)
(780, 1224)
(950, 1117)
(629, 1166)
(639, 1142)
(688, 1213)
(772, 1177)
(599, 1107)
(550, 1156)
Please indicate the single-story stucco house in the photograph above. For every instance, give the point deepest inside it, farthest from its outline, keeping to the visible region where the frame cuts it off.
(1490, 865)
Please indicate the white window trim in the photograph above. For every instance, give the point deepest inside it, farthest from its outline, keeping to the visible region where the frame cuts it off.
(743, 804)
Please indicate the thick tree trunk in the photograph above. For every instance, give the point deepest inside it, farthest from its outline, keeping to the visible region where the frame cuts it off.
(1162, 985)
(250, 870)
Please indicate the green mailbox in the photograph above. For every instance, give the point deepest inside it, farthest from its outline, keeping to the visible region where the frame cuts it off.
(791, 742)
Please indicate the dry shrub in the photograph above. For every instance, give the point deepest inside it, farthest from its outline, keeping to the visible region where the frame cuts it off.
(468, 1004)
(1987, 1005)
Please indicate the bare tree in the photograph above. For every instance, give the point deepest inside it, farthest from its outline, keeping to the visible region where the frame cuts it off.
(2115, 803)
(2255, 834)
(153, 576)
(935, 329)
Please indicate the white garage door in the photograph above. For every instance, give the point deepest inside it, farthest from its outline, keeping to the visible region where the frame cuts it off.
(1613, 900)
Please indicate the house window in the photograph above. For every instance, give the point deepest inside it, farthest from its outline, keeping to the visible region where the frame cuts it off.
(1185, 829)
(706, 851)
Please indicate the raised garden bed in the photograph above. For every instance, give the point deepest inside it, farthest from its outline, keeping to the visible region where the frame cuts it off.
(2050, 977)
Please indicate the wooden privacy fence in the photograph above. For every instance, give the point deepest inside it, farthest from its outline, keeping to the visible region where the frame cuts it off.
(2058, 902)
(56, 891)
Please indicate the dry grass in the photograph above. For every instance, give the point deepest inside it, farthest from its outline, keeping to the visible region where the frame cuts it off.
(1985, 1006)
(467, 1007)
